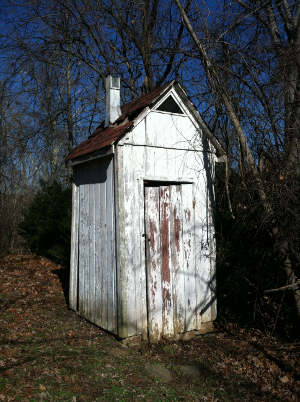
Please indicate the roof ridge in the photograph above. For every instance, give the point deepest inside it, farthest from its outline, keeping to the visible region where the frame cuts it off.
(104, 136)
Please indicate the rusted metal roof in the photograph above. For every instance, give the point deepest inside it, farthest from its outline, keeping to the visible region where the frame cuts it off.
(103, 137)
(138, 104)
(100, 139)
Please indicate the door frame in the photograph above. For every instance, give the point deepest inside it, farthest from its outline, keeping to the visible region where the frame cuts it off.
(140, 183)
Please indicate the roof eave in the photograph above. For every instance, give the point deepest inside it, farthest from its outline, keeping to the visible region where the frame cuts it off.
(109, 150)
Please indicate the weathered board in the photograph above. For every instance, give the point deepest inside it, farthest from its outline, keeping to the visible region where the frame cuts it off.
(93, 262)
(154, 277)
(74, 242)
(111, 282)
(152, 163)
(171, 275)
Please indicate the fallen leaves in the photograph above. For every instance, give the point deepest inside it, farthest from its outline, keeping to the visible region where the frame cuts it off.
(11, 352)
(43, 352)
(284, 379)
(135, 379)
(29, 391)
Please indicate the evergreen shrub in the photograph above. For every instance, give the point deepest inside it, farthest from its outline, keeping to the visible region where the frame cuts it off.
(46, 226)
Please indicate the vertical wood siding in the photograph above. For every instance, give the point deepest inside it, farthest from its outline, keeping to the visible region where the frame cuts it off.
(172, 298)
(154, 279)
(93, 262)
(177, 257)
(206, 241)
(179, 218)
(74, 241)
(191, 256)
(189, 270)
(166, 269)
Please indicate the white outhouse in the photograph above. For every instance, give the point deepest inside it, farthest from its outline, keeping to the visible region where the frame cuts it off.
(143, 241)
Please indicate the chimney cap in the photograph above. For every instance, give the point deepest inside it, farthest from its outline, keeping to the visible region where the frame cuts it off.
(114, 81)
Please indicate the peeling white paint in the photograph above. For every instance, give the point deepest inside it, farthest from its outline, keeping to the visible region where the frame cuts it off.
(115, 287)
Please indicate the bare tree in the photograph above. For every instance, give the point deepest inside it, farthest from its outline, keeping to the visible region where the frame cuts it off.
(268, 143)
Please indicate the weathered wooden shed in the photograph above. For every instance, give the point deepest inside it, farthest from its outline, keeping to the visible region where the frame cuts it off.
(143, 241)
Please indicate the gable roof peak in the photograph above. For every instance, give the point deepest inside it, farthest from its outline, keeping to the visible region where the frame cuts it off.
(104, 136)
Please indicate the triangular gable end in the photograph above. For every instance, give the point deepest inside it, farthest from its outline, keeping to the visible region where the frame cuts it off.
(170, 106)
(168, 99)
(172, 103)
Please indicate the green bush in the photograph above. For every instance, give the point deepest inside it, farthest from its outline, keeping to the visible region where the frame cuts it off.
(46, 226)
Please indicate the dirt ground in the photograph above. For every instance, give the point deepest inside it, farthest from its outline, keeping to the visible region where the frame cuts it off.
(48, 353)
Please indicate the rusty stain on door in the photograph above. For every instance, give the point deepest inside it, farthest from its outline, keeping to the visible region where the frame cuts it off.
(169, 225)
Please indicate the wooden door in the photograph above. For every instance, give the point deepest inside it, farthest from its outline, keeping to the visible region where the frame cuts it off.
(171, 279)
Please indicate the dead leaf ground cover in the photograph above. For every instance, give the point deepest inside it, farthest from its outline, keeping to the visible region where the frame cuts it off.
(48, 353)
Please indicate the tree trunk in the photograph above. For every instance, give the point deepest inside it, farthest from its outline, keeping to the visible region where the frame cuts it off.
(244, 147)
(69, 100)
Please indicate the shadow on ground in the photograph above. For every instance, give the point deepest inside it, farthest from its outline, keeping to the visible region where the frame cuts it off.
(64, 277)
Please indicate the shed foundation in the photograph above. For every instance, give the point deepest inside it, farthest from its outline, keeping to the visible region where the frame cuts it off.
(207, 329)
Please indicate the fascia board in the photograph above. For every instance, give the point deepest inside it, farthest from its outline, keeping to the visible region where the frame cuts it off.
(89, 157)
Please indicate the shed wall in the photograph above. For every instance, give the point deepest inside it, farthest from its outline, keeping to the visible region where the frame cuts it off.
(160, 129)
(140, 162)
(93, 260)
